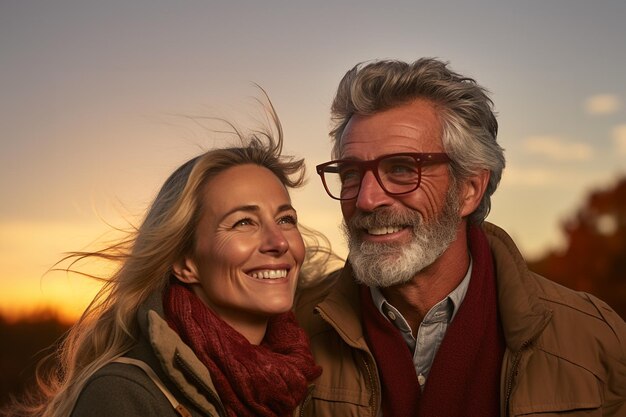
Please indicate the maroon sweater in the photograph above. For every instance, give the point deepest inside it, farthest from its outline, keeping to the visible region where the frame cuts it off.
(464, 379)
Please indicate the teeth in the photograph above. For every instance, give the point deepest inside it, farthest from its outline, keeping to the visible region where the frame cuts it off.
(269, 274)
(383, 230)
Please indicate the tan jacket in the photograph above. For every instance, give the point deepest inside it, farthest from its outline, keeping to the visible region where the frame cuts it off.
(565, 353)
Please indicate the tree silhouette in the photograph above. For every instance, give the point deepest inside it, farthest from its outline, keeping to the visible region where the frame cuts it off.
(24, 344)
(594, 259)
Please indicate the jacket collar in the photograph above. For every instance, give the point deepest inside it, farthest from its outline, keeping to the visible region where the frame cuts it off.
(342, 309)
(523, 314)
(176, 359)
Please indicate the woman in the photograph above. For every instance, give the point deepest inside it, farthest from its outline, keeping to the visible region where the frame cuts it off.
(197, 319)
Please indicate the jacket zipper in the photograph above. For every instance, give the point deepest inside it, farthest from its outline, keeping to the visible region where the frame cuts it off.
(306, 400)
(514, 371)
(215, 399)
(517, 359)
(370, 375)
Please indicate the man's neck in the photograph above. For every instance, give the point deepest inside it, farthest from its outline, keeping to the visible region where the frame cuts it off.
(415, 298)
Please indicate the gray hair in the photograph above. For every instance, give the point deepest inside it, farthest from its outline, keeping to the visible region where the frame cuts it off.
(466, 112)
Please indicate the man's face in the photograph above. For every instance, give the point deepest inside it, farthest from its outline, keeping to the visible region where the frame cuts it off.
(392, 238)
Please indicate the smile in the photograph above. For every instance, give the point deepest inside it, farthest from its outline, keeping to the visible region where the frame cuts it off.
(269, 274)
(385, 230)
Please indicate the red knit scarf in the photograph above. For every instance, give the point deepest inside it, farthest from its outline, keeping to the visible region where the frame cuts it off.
(464, 379)
(270, 379)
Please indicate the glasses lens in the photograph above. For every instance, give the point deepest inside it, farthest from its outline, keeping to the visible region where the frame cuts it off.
(342, 180)
(399, 174)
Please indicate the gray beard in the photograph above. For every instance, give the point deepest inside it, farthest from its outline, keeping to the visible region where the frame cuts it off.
(384, 265)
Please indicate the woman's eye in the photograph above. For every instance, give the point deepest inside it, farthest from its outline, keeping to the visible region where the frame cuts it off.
(242, 222)
(288, 219)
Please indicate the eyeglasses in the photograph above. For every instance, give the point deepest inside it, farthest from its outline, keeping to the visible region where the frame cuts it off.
(398, 173)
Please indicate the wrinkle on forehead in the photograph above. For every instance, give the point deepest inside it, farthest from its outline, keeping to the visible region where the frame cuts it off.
(411, 127)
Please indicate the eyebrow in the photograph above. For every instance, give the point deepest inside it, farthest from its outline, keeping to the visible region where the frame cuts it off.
(252, 208)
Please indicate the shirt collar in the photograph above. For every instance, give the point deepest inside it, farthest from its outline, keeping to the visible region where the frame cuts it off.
(451, 302)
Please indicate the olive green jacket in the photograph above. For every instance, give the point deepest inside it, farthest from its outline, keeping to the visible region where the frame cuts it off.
(565, 350)
(124, 390)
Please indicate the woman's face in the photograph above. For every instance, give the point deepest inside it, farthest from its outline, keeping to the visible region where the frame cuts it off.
(248, 250)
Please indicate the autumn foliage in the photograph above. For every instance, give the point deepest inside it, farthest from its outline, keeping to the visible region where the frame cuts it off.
(24, 343)
(594, 259)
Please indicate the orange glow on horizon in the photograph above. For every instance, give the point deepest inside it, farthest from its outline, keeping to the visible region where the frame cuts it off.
(64, 298)
(29, 288)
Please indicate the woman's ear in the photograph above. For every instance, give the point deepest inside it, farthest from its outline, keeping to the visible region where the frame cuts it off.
(185, 270)
(472, 192)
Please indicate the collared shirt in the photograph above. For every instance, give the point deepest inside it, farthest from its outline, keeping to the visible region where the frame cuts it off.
(432, 329)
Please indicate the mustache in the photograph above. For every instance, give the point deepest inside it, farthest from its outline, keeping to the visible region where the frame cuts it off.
(384, 217)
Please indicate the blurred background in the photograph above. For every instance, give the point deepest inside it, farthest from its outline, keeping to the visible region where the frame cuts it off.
(99, 104)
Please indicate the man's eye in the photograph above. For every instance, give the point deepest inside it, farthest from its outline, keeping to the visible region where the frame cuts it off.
(349, 175)
(400, 169)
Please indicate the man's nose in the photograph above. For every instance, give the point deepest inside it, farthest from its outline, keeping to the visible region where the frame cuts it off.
(371, 194)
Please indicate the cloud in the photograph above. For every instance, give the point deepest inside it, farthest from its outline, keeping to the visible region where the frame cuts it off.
(555, 148)
(602, 104)
(534, 177)
(619, 137)
(552, 177)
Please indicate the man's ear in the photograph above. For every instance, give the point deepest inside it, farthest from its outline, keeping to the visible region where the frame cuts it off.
(185, 270)
(472, 191)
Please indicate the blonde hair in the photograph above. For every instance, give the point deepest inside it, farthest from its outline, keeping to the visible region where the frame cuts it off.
(108, 326)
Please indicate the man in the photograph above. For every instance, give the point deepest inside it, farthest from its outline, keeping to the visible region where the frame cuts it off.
(435, 313)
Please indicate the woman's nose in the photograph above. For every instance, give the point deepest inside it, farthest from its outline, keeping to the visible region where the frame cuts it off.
(274, 241)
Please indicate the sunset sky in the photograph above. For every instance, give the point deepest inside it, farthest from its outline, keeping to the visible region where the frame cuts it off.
(95, 98)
